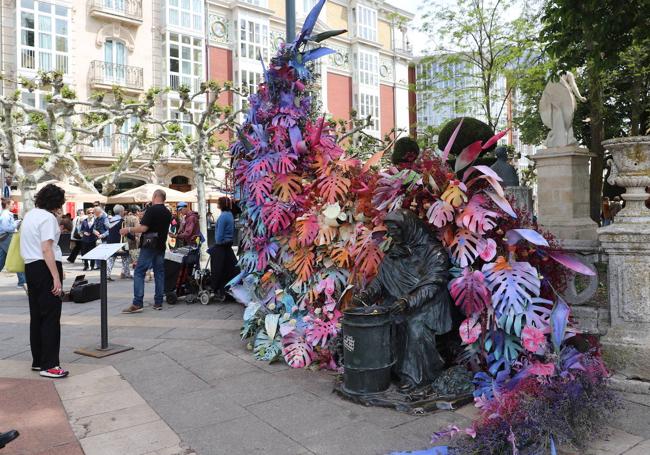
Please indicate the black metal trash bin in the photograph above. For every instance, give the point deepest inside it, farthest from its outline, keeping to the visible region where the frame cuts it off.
(367, 352)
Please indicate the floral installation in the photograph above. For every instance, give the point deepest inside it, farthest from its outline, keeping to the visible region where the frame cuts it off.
(313, 229)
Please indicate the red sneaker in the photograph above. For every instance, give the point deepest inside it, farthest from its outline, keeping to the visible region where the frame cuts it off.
(56, 372)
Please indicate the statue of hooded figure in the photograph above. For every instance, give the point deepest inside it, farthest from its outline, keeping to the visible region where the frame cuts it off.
(412, 282)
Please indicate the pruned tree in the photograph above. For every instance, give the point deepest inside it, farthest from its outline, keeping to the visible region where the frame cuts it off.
(59, 129)
(479, 55)
(196, 135)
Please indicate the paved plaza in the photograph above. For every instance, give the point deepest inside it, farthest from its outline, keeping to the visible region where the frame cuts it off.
(190, 386)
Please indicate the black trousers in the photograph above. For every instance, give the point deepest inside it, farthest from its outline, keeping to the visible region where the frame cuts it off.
(45, 315)
(75, 251)
(223, 266)
(86, 247)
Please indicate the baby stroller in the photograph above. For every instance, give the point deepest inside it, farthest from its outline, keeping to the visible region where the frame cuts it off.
(182, 277)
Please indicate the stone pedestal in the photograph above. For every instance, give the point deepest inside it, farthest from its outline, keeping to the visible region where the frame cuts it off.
(563, 192)
(523, 197)
(626, 346)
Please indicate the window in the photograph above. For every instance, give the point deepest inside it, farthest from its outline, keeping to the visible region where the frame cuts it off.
(305, 6)
(186, 14)
(249, 80)
(369, 105)
(44, 32)
(253, 40)
(185, 56)
(257, 2)
(368, 68)
(194, 109)
(114, 61)
(366, 23)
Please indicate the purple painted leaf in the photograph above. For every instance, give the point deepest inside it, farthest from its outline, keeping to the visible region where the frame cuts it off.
(469, 292)
(513, 285)
(450, 143)
(296, 137)
(502, 202)
(494, 139)
(464, 248)
(572, 263)
(513, 237)
(261, 189)
(310, 22)
(276, 216)
(468, 155)
(317, 53)
(440, 213)
(317, 132)
(559, 321)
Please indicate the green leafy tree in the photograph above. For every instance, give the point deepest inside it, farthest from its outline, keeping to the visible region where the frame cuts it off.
(609, 43)
(57, 129)
(482, 56)
(196, 136)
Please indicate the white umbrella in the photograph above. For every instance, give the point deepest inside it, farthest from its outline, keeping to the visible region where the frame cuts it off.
(145, 192)
(210, 195)
(73, 193)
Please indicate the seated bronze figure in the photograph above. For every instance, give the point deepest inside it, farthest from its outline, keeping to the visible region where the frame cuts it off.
(412, 282)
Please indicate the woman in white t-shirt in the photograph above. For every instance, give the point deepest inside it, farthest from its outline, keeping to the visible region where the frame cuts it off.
(39, 247)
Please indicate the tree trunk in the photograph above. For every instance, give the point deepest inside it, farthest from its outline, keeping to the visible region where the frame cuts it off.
(199, 182)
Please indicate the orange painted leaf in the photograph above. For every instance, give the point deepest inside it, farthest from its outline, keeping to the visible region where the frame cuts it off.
(287, 187)
(341, 257)
(373, 161)
(302, 264)
(333, 187)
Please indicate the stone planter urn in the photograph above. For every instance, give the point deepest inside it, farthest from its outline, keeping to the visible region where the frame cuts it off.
(631, 169)
(626, 346)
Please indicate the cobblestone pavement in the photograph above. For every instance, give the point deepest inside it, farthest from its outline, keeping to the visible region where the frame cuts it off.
(189, 386)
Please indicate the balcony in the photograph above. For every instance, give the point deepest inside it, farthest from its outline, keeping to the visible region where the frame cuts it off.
(106, 75)
(127, 11)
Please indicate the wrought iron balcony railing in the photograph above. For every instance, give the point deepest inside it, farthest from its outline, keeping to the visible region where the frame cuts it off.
(106, 75)
(128, 10)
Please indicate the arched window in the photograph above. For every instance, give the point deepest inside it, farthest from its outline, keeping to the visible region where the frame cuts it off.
(180, 183)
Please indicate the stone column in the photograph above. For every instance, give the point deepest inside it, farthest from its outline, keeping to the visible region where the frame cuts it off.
(626, 346)
(563, 192)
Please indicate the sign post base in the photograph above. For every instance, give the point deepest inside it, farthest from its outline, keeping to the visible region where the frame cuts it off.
(98, 352)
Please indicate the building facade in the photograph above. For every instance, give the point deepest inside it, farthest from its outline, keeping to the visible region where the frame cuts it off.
(138, 44)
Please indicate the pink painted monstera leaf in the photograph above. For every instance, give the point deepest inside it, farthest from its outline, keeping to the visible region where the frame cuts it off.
(476, 217)
(440, 213)
(297, 351)
(470, 292)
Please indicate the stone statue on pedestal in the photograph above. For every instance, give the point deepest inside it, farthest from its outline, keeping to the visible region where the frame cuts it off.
(412, 282)
(505, 170)
(556, 107)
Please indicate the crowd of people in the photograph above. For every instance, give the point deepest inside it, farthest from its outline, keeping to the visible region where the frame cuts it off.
(146, 234)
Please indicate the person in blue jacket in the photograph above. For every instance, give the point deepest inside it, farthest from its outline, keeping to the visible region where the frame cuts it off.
(223, 263)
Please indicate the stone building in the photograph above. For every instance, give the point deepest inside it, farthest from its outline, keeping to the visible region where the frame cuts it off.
(137, 44)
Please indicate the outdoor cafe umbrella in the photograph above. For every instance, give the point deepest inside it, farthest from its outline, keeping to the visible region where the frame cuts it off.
(73, 193)
(210, 195)
(145, 192)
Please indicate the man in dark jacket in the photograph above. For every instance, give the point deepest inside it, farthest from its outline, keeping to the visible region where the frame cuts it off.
(190, 229)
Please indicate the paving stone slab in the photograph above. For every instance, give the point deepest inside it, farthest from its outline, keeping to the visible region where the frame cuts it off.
(253, 387)
(215, 368)
(245, 436)
(102, 402)
(642, 448)
(135, 440)
(106, 422)
(616, 442)
(183, 351)
(198, 409)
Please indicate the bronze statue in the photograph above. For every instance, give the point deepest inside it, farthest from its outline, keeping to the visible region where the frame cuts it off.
(412, 282)
(505, 170)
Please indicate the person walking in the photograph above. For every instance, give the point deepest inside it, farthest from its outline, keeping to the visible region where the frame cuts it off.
(75, 236)
(88, 239)
(8, 226)
(153, 228)
(223, 263)
(116, 222)
(39, 247)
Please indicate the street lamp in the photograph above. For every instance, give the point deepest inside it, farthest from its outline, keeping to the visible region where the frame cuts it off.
(290, 8)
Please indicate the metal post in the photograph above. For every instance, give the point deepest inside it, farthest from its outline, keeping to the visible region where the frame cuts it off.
(104, 304)
(291, 20)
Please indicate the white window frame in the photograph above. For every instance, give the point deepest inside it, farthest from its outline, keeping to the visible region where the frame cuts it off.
(115, 71)
(366, 22)
(187, 65)
(260, 3)
(303, 7)
(252, 39)
(52, 25)
(186, 15)
(368, 104)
